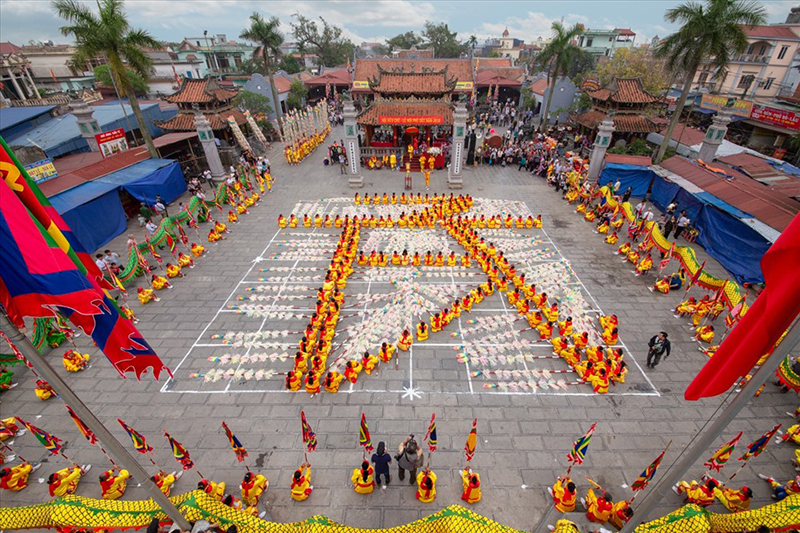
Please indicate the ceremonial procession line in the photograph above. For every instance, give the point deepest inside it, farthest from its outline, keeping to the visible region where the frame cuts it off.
(261, 320)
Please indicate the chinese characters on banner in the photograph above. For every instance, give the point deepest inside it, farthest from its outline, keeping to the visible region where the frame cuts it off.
(410, 119)
(112, 142)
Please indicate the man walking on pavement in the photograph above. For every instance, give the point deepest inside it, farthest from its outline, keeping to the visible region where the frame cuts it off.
(659, 345)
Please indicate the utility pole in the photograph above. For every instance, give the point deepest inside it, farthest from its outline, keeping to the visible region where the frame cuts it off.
(112, 445)
(711, 435)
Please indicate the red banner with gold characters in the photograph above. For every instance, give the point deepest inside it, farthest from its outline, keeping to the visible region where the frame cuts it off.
(410, 119)
(778, 117)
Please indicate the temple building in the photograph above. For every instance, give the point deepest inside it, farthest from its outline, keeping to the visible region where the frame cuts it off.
(410, 108)
(633, 109)
(207, 97)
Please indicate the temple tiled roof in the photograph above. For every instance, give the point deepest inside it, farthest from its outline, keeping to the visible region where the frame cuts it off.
(622, 123)
(412, 82)
(371, 115)
(624, 91)
(200, 91)
(218, 121)
(367, 69)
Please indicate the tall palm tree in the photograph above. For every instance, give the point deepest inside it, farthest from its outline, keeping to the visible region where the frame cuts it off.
(269, 39)
(711, 32)
(109, 34)
(556, 57)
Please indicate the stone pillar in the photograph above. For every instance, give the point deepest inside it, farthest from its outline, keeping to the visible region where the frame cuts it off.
(86, 123)
(353, 150)
(714, 136)
(454, 177)
(33, 85)
(601, 143)
(206, 135)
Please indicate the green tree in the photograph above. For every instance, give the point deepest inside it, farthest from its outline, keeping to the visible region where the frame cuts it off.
(266, 35)
(109, 34)
(495, 53)
(556, 58)
(403, 41)
(710, 32)
(634, 63)
(103, 75)
(445, 42)
(290, 65)
(327, 43)
(581, 63)
(297, 95)
(256, 103)
(252, 66)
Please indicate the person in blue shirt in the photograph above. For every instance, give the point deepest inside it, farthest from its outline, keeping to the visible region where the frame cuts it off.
(382, 460)
(676, 281)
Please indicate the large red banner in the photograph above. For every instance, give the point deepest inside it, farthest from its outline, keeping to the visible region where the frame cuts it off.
(410, 119)
(778, 117)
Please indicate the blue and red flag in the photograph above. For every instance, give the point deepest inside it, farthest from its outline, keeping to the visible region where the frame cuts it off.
(579, 447)
(82, 427)
(50, 443)
(137, 438)
(756, 447)
(723, 454)
(363, 438)
(430, 436)
(649, 472)
(309, 437)
(43, 271)
(237, 447)
(179, 452)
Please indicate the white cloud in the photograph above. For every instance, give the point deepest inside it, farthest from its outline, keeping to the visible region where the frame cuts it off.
(25, 8)
(528, 28)
(777, 11)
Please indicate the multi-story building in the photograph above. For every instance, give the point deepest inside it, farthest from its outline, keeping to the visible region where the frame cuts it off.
(220, 55)
(510, 47)
(764, 70)
(169, 68)
(603, 43)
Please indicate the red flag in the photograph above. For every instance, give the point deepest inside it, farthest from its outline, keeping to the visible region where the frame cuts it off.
(760, 328)
(430, 436)
(472, 441)
(237, 447)
(309, 437)
(82, 427)
(363, 437)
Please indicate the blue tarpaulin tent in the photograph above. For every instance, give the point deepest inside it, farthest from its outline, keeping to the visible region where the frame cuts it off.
(663, 193)
(94, 209)
(637, 177)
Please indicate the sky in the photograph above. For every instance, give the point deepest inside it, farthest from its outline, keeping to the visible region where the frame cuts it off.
(374, 21)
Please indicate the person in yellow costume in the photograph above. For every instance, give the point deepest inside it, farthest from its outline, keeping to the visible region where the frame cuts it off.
(146, 296)
(644, 265)
(564, 494)
(368, 362)
(198, 249)
(65, 481)
(705, 333)
(471, 486)
(74, 361)
(301, 483)
(736, 501)
(43, 390)
(393, 160)
(363, 479)
(612, 238)
(215, 490)
(405, 341)
(422, 331)
(160, 282)
(427, 179)
(426, 486)
(113, 483)
(332, 381)
(174, 271)
(185, 260)
(253, 486)
(16, 478)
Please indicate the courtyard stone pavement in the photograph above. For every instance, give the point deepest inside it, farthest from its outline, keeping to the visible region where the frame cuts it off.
(522, 438)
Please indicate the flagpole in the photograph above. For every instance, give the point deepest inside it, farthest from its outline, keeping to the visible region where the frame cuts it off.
(705, 439)
(103, 434)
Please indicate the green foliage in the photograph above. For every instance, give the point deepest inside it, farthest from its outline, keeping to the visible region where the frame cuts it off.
(556, 57)
(445, 42)
(103, 75)
(495, 53)
(404, 41)
(580, 63)
(255, 102)
(269, 39)
(253, 66)
(327, 43)
(634, 63)
(637, 147)
(290, 65)
(297, 95)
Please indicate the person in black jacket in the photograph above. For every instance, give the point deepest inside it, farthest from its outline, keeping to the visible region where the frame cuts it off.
(659, 345)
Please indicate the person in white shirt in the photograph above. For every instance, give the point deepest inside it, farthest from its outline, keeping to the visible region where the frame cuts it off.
(112, 258)
(640, 208)
(101, 264)
(683, 221)
(152, 228)
(647, 217)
